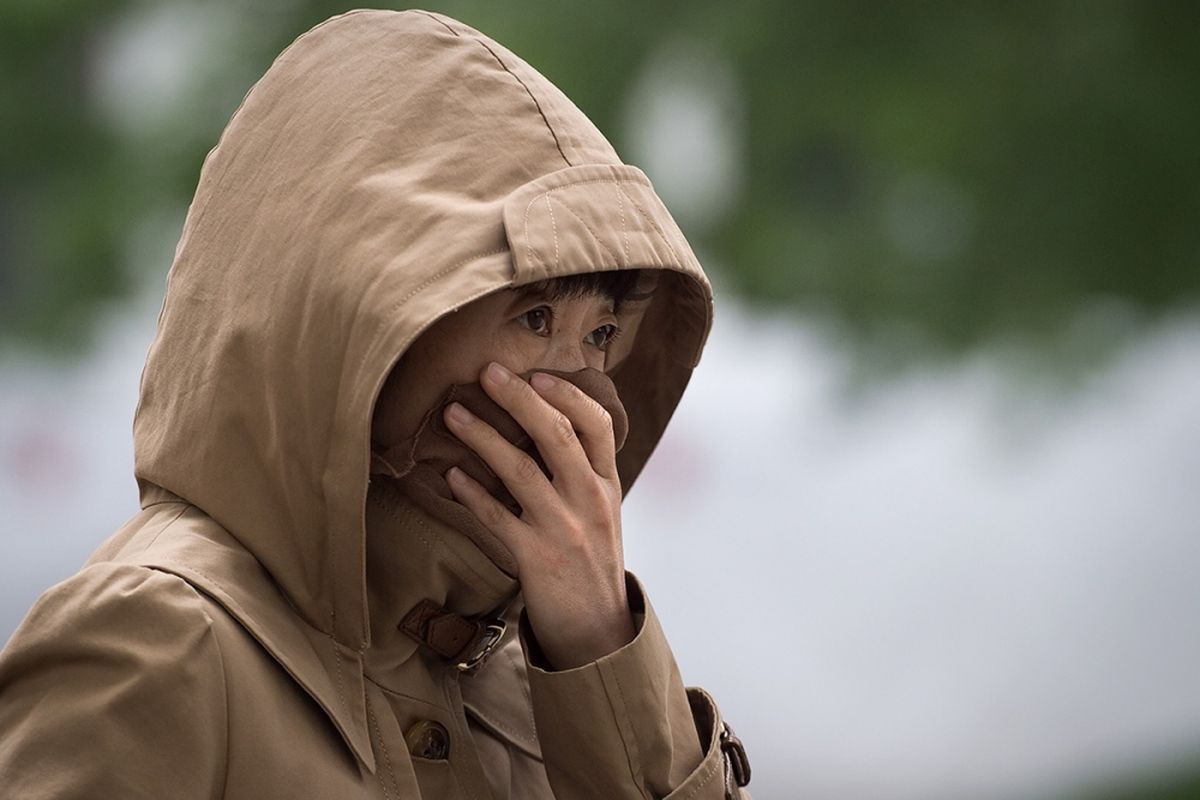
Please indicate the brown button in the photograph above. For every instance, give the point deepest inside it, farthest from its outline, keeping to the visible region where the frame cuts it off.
(428, 739)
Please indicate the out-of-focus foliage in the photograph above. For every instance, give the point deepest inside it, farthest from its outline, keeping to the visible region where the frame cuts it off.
(1170, 785)
(961, 169)
(63, 202)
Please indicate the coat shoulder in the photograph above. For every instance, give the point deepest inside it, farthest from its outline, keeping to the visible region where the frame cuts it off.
(252, 617)
(114, 680)
(138, 614)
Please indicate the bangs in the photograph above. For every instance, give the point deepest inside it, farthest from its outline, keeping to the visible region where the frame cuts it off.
(615, 285)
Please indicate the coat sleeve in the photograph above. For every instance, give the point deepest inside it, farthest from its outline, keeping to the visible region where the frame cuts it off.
(113, 686)
(624, 726)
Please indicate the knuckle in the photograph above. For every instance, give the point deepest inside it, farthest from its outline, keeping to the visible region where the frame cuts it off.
(574, 538)
(564, 431)
(600, 412)
(526, 469)
(493, 515)
(595, 494)
(522, 389)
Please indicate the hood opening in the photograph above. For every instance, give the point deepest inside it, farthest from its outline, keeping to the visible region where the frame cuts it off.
(388, 168)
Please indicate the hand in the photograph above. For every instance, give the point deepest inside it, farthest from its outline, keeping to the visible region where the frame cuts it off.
(567, 541)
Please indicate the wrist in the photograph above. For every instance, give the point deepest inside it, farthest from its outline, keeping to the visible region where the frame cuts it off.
(598, 634)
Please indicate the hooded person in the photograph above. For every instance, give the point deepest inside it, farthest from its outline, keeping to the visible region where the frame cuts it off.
(371, 561)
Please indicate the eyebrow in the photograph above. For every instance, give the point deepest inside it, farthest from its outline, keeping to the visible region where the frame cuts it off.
(533, 293)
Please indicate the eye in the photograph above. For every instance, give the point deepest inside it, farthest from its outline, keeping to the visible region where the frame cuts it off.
(537, 320)
(603, 336)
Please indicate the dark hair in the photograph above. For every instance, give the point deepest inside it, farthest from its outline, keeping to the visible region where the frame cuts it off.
(613, 284)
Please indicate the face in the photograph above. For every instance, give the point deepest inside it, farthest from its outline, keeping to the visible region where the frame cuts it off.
(522, 330)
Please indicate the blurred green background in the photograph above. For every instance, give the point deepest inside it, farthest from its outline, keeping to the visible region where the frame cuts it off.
(927, 178)
(950, 173)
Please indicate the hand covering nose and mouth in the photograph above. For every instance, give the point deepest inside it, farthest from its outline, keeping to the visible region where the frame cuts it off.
(435, 447)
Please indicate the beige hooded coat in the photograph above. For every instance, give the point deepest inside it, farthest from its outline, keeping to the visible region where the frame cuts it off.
(239, 637)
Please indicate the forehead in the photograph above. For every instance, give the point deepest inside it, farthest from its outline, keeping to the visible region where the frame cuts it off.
(512, 300)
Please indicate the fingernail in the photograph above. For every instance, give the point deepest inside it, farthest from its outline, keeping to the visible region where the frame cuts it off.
(498, 373)
(459, 413)
(541, 380)
(454, 475)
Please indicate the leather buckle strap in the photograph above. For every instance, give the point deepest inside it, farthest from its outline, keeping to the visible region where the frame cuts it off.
(465, 642)
(737, 764)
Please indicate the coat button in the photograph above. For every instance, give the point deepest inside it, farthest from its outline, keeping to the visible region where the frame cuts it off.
(428, 739)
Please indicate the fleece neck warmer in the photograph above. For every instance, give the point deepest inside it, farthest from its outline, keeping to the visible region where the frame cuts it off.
(419, 463)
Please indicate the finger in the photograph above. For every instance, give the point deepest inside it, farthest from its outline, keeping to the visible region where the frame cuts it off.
(490, 511)
(516, 468)
(551, 430)
(591, 421)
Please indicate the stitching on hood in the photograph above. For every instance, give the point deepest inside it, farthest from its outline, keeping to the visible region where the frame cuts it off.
(616, 182)
(624, 226)
(528, 91)
(528, 238)
(435, 277)
(219, 179)
(638, 206)
(599, 241)
(554, 230)
(646, 216)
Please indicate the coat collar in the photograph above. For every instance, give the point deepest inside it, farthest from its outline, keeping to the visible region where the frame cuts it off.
(198, 550)
(413, 556)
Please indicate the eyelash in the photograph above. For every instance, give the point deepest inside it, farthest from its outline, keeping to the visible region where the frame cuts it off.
(614, 330)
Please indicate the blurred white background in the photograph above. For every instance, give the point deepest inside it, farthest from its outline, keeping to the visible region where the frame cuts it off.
(941, 585)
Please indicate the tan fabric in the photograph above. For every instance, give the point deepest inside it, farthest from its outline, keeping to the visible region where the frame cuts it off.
(238, 637)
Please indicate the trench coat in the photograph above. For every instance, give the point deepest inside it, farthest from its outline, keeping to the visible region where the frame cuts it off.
(277, 623)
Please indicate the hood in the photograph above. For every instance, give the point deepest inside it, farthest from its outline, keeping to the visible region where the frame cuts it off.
(388, 168)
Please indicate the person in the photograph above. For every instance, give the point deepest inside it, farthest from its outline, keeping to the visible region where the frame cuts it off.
(422, 331)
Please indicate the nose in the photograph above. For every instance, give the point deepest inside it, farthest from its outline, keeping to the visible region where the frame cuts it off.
(564, 354)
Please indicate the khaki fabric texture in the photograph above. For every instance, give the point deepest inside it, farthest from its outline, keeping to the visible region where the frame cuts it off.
(238, 637)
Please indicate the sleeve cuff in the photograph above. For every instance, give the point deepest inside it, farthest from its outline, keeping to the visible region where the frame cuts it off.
(621, 726)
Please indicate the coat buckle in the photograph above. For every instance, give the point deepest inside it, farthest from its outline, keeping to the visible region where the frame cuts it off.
(737, 764)
(489, 637)
(465, 643)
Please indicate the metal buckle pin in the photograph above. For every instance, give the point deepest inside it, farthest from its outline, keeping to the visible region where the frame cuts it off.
(487, 643)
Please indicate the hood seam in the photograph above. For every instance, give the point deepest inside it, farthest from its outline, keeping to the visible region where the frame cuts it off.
(624, 225)
(425, 284)
(528, 91)
(553, 230)
(590, 230)
(616, 183)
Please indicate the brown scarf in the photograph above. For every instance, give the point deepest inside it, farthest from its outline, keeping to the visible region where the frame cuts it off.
(419, 462)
